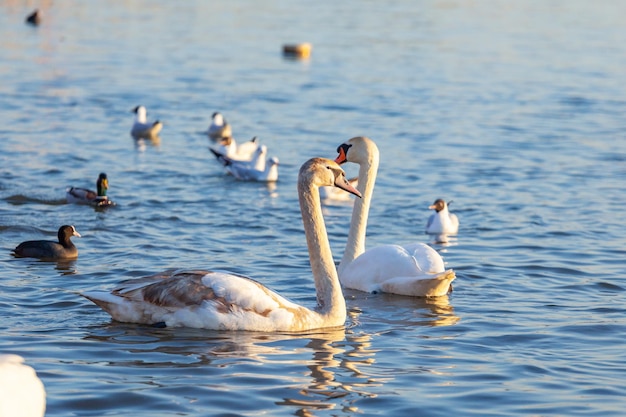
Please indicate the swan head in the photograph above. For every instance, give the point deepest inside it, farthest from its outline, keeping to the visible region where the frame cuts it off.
(273, 160)
(359, 149)
(438, 205)
(321, 172)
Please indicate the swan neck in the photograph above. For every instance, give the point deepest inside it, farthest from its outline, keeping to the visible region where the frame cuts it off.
(331, 302)
(360, 212)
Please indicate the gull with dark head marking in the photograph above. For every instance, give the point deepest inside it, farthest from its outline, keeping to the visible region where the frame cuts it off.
(142, 128)
(219, 127)
(442, 222)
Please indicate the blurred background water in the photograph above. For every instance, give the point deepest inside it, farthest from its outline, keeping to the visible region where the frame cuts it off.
(514, 110)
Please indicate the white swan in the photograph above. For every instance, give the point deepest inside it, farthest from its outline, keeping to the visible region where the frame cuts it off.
(442, 222)
(98, 198)
(219, 127)
(415, 269)
(226, 301)
(141, 128)
(22, 393)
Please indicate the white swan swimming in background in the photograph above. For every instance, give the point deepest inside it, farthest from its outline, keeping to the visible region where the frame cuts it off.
(442, 222)
(415, 269)
(141, 128)
(98, 198)
(22, 393)
(219, 127)
(226, 301)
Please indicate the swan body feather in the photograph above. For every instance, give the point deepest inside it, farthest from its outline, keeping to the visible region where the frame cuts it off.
(22, 394)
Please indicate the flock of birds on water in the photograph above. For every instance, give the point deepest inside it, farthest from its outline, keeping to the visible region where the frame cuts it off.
(221, 300)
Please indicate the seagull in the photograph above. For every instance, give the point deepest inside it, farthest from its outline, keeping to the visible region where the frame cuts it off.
(229, 148)
(219, 127)
(255, 170)
(442, 221)
(141, 127)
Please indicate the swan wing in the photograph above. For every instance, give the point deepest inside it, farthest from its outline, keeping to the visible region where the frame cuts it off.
(202, 299)
(427, 259)
(376, 266)
(426, 285)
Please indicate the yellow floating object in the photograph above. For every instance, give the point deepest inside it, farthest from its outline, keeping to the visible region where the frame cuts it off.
(300, 50)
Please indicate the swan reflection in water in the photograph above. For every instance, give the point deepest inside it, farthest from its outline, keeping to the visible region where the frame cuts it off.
(319, 370)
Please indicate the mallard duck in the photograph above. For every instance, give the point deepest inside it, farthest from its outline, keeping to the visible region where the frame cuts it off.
(98, 198)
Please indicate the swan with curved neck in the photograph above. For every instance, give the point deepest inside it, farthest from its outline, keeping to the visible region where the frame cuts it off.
(225, 301)
(415, 269)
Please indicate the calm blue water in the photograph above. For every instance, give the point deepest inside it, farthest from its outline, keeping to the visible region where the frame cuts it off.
(514, 110)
